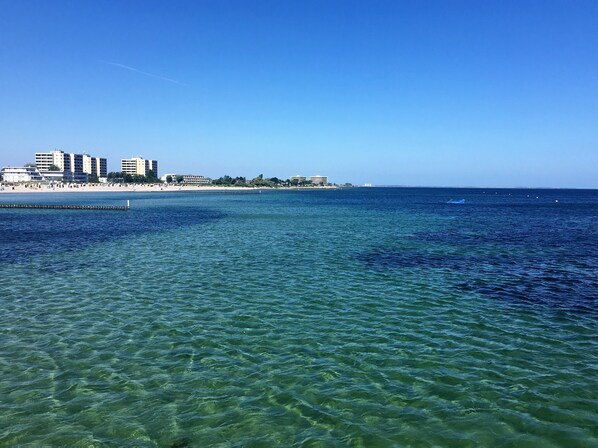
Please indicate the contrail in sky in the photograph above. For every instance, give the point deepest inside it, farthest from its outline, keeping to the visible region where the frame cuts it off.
(133, 69)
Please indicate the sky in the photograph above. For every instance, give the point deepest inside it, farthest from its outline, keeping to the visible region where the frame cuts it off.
(423, 93)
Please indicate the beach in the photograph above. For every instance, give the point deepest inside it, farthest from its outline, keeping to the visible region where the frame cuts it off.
(136, 188)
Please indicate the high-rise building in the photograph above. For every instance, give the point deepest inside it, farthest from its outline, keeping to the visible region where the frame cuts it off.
(152, 165)
(102, 166)
(95, 166)
(76, 163)
(44, 160)
(73, 163)
(139, 166)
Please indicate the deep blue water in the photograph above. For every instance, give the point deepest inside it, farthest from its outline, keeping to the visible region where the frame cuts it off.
(353, 317)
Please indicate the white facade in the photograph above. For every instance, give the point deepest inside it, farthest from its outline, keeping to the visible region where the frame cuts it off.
(173, 176)
(319, 180)
(74, 163)
(189, 179)
(21, 174)
(96, 166)
(138, 166)
(64, 176)
(44, 160)
(134, 166)
(88, 163)
(193, 179)
(32, 174)
(299, 179)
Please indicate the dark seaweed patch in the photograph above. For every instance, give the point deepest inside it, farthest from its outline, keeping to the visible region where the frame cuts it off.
(28, 233)
(580, 295)
(181, 443)
(515, 279)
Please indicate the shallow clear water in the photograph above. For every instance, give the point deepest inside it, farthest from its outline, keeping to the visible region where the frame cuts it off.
(360, 317)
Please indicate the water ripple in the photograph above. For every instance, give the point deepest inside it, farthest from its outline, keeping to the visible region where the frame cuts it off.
(298, 320)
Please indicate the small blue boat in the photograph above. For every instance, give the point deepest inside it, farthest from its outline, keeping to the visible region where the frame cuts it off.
(456, 201)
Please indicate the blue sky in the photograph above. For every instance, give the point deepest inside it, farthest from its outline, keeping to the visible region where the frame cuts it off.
(443, 93)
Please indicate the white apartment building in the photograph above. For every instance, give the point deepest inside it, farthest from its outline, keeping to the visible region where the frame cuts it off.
(139, 166)
(96, 166)
(73, 163)
(299, 179)
(44, 160)
(319, 180)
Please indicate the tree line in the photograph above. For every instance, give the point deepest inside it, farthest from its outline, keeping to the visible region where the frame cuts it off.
(226, 180)
(259, 181)
(120, 177)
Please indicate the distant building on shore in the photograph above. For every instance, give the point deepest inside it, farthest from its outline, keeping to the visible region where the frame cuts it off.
(32, 174)
(298, 179)
(96, 166)
(77, 164)
(165, 177)
(195, 179)
(139, 166)
(46, 160)
(187, 179)
(319, 180)
(14, 174)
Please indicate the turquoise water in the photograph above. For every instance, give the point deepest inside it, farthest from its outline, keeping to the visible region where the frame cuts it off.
(361, 317)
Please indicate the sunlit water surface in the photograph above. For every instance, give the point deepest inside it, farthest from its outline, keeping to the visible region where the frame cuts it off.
(362, 317)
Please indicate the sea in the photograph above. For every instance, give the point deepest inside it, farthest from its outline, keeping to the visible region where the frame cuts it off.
(357, 317)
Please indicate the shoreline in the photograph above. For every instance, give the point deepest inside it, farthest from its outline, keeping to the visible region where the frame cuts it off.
(129, 188)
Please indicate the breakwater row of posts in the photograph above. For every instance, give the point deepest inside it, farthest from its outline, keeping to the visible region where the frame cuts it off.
(69, 206)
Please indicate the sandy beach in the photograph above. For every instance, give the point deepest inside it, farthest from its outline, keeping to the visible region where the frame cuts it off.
(130, 188)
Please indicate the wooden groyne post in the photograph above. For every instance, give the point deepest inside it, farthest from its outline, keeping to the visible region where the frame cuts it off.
(69, 206)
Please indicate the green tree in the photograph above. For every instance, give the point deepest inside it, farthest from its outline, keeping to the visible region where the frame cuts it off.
(115, 176)
(151, 177)
(54, 168)
(258, 181)
(169, 179)
(226, 180)
(239, 181)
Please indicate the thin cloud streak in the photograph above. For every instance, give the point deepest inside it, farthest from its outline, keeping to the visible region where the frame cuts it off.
(133, 69)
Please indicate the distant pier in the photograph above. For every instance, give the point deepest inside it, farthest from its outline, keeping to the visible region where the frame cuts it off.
(123, 208)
